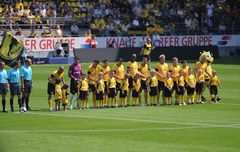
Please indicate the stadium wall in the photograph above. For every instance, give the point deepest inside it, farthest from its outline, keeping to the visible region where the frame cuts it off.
(188, 53)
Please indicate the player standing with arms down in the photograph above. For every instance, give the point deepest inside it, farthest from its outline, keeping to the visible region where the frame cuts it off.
(3, 85)
(58, 74)
(26, 80)
(74, 73)
(14, 80)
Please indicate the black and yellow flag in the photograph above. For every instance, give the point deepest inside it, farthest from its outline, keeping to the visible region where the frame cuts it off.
(10, 49)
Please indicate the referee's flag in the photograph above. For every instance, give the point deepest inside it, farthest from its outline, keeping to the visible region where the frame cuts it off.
(10, 50)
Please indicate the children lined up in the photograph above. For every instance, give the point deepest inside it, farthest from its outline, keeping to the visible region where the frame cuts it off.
(114, 88)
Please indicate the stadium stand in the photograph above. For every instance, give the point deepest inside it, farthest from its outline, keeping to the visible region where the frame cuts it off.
(124, 17)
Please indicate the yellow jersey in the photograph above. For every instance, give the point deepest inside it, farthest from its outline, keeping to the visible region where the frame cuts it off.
(181, 82)
(152, 81)
(209, 71)
(112, 82)
(147, 48)
(144, 70)
(105, 71)
(58, 92)
(198, 65)
(100, 85)
(215, 81)
(119, 72)
(162, 69)
(93, 73)
(169, 83)
(191, 80)
(133, 68)
(200, 78)
(185, 72)
(55, 75)
(125, 85)
(175, 71)
(137, 85)
(64, 96)
(83, 85)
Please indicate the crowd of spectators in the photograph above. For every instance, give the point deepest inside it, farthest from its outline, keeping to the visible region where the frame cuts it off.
(117, 17)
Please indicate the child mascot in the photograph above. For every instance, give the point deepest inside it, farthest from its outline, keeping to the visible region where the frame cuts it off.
(208, 74)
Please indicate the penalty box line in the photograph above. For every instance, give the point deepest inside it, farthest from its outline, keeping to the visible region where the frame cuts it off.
(137, 120)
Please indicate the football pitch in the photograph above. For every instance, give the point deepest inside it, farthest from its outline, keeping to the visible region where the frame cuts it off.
(205, 127)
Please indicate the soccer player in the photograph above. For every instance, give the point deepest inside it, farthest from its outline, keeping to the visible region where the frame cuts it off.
(184, 69)
(74, 73)
(191, 84)
(161, 72)
(168, 87)
(13, 75)
(105, 70)
(136, 88)
(58, 94)
(143, 72)
(111, 89)
(146, 50)
(214, 83)
(58, 74)
(26, 80)
(174, 69)
(118, 69)
(199, 86)
(153, 87)
(181, 89)
(3, 85)
(100, 86)
(93, 71)
(123, 91)
(65, 94)
(132, 69)
(83, 92)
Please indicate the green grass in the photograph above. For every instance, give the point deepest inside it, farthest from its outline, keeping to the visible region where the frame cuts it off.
(207, 127)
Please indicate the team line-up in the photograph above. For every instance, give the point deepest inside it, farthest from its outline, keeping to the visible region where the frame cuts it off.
(115, 87)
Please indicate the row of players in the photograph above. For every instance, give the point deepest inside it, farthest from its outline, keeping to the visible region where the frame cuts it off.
(105, 84)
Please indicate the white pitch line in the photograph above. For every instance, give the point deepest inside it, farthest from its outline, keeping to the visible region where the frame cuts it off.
(110, 130)
(128, 119)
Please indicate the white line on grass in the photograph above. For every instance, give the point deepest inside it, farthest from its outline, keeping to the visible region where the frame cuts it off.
(130, 119)
(110, 130)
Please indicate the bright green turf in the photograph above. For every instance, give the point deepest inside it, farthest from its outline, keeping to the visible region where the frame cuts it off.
(208, 127)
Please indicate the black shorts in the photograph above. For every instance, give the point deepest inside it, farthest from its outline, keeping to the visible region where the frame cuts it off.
(213, 89)
(118, 86)
(199, 88)
(147, 56)
(175, 86)
(135, 94)
(143, 84)
(15, 89)
(112, 92)
(160, 85)
(130, 82)
(105, 87)
(190, 91)
(123, 94)
(83, 95)
(51, 89)
(92, 88)
(99, 95)
(167, 92)
(73, 86)
(153, 91)
(3, 88)
(180, 90)
(27, 86)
